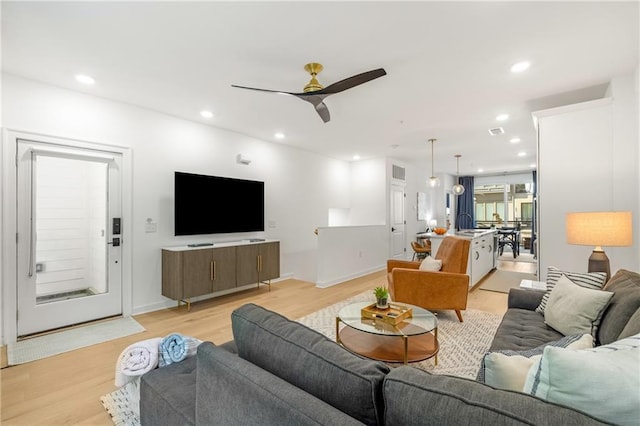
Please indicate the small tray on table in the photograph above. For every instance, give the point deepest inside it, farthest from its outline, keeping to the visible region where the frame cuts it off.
(393, 315)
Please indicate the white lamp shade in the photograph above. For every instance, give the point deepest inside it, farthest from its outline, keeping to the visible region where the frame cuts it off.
(612, 229)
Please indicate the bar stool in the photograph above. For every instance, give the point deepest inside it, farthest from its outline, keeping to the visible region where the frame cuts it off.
(419, 250)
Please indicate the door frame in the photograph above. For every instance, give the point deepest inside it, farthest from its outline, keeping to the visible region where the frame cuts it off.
(8, 232)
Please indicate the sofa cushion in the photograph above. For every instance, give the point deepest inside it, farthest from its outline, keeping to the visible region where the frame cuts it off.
(632, 327)
(572, 309)
(232, 391)
(522, 329)
(581, 379)
(625, 286)
(416, 397)
(508, 369)
(310, 361)
(593, 280)
(168, 394)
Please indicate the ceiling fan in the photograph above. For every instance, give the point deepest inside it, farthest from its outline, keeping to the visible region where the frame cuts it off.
(314, 92)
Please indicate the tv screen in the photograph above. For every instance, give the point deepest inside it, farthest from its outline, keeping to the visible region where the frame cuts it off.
(217, 205)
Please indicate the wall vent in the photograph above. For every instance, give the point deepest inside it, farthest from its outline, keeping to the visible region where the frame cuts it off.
(397, 172)
(496, 131)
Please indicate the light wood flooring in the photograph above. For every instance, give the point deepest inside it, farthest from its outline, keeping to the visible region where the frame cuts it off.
(65, 389)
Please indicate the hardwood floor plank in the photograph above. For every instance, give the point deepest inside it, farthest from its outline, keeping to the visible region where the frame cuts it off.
(65, 389)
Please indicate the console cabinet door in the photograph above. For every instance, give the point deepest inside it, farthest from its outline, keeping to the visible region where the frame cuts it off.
(197, 272)
(224, 268)
(248, 263)
(269, 261)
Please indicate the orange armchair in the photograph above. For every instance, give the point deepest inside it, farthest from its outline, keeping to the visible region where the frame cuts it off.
(433, 290)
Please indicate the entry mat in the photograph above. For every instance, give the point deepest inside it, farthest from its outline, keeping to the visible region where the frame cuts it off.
(64, 341)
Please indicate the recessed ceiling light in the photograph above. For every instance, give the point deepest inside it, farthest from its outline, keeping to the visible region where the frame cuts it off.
(206, 114)
(522, 154)
(356, 157)
(480, 170)
(85, 79)
(278, 135)
(520, 66)
(514, 140)
(502, 117)
(533, 165)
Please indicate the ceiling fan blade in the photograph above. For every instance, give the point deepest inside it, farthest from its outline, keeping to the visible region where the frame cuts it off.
(317, 102)
(263, 90)
(354, 81)
(323, 112)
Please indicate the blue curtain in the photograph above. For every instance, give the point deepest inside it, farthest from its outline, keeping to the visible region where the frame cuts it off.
(465, 215)
(532, 249)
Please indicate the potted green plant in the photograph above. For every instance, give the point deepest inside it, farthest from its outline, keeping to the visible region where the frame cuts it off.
(382, 297)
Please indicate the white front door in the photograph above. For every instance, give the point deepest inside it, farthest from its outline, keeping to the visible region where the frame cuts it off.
(398, 240)
(69, 254)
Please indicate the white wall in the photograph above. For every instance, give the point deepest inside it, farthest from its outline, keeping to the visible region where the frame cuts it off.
(349, 252)
(368, 181)
(588, 161)
(300, 186)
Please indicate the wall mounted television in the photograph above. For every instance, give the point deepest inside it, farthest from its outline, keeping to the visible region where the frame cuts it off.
(217, 205)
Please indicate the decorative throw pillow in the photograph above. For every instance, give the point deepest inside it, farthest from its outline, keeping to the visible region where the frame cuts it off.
(508, 369)
(430, 264)
(572, 309)
(581, 379)
(595, 280)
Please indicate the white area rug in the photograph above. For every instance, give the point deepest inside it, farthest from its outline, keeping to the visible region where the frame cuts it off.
(462, 344)
(64, 341)
(123, 404)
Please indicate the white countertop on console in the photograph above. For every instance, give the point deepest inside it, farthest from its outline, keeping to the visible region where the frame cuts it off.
(220, 244)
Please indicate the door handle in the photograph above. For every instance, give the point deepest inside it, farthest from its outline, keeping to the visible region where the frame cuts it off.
(393, 229)
(115, 241)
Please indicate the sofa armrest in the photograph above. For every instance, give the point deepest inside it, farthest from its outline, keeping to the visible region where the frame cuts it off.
(524, 299)
(407, 264)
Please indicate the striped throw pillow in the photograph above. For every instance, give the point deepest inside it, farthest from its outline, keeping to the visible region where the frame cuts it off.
(592, 280)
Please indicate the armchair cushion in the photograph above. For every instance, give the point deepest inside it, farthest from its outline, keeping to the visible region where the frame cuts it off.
(454, 253)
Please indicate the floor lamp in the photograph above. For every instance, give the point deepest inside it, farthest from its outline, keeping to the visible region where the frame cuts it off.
(599, 229)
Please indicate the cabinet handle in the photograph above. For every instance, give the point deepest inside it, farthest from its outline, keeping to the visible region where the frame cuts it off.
(258, 263)
(211, 270)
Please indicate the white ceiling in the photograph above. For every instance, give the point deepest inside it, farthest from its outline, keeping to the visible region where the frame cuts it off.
(447, 64)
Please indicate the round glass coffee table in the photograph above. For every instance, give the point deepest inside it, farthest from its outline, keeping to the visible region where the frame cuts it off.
(414, 339)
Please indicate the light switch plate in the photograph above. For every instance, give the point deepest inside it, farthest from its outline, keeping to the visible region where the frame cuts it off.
(150, 227)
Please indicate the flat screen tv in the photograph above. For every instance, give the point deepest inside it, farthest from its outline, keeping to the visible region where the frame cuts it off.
(217, 205)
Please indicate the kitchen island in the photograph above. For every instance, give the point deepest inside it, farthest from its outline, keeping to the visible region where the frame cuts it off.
(482, 252)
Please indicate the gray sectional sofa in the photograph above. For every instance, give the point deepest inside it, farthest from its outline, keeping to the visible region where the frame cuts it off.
(279, 372)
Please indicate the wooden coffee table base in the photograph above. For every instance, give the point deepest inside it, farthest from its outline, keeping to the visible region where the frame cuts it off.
(390, 348)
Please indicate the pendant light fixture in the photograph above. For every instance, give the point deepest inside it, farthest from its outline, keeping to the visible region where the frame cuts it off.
(457, 188)
(433, 180)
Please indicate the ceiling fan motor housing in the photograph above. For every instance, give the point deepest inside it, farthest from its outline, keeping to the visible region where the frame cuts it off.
(313, 68)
